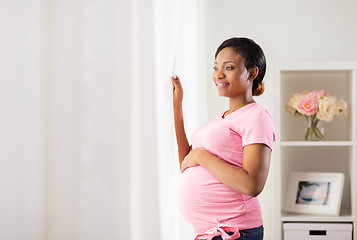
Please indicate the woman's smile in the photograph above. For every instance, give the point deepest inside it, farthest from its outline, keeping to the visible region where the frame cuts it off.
(221, 84)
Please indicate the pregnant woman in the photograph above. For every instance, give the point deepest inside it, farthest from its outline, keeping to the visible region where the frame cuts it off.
(227, 166)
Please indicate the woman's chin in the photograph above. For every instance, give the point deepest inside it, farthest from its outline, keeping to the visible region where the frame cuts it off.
(222, 94)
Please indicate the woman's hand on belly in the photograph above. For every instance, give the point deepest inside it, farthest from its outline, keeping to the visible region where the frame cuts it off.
(193, 158)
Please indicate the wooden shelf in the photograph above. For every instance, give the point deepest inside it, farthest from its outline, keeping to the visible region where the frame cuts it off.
(317, 143)
(345, 216)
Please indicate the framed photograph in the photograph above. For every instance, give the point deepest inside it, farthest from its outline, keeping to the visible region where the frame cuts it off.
(314, 193)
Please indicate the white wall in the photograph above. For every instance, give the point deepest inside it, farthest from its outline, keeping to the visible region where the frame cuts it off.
(288, 31)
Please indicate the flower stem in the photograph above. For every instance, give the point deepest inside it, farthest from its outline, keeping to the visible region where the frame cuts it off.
(312, 129)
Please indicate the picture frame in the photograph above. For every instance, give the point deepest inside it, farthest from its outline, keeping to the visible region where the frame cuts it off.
(314, 193)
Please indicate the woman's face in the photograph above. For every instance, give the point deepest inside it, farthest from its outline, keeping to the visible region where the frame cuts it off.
(230, 75)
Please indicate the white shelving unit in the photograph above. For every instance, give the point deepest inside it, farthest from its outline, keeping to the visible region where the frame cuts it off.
(337, 153)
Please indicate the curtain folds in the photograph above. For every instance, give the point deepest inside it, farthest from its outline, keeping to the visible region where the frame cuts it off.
(175, 53)
(87, 149)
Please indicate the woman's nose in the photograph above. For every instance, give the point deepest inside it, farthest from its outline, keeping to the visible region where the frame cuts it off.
(219, 74)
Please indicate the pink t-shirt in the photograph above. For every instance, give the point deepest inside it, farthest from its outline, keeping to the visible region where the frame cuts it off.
(203, 200)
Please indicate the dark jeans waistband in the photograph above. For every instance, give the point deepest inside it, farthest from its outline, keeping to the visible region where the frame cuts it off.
(247, 234)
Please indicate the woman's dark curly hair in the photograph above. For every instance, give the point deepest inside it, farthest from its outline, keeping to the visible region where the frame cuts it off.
(253, 56)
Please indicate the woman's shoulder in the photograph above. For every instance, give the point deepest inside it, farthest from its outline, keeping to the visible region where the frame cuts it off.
(259, 109)
(259, 113)
(254, 110)
(252, 116)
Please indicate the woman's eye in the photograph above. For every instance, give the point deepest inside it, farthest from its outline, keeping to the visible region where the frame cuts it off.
(229, 68)
(215, 68)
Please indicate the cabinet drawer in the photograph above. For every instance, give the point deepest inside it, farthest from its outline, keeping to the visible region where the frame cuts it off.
(317, 231)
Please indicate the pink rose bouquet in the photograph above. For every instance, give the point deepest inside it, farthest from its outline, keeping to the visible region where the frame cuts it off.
(307, 106)
(316, 105)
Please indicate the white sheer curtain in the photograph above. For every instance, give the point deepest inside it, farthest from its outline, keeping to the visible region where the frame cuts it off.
(86, 146)
(176, 53)
(22, 141)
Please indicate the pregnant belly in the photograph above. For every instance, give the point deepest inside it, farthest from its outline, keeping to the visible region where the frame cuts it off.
(203, 200)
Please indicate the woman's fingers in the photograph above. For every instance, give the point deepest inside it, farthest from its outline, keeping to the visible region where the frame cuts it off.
(176, 81)
(183, 166)
(177, 89)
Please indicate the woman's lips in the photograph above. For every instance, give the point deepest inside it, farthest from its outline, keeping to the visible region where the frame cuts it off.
(221, 84)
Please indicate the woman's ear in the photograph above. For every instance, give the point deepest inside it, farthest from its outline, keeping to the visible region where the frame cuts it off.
(253, 73)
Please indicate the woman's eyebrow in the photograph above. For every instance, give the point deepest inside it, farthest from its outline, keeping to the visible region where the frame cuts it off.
(229, 62)
(226, 62)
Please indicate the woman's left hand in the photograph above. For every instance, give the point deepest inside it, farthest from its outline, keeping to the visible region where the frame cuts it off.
(193, 158)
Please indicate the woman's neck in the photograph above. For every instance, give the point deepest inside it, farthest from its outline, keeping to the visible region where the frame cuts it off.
(236, 103)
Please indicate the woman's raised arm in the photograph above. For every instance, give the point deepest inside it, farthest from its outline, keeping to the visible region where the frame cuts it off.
(182, 142)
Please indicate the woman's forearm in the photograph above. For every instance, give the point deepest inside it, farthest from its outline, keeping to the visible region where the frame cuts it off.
(248, 180)
(182, 142)
(236, 178)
